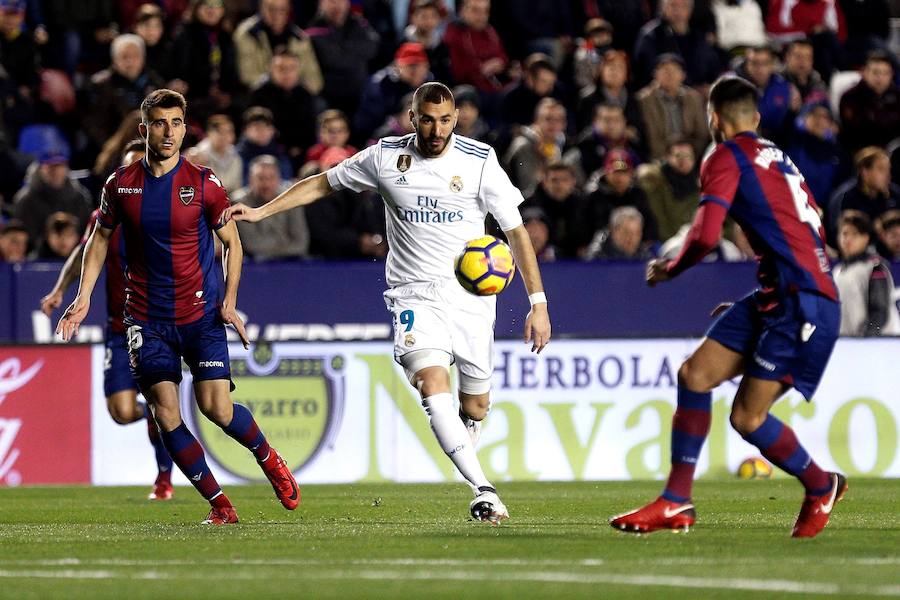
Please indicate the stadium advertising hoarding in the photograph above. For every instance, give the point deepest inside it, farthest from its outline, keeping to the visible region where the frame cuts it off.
(45, 415)
(590, 410)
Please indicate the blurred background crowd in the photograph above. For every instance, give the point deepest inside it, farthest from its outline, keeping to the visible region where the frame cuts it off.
(596, 109)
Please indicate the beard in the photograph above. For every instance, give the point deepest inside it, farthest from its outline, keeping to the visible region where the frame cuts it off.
(433, 145)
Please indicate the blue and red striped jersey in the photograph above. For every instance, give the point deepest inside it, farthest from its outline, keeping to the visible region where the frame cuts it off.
(767, 196)
(167, 223)
(115, 275)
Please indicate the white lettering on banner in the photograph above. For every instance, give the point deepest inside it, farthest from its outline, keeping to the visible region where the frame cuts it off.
(12, 377)
(43, 332)
(8, 455)
(589, 410)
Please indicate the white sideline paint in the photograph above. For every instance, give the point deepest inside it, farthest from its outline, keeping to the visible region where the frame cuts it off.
(586, 578)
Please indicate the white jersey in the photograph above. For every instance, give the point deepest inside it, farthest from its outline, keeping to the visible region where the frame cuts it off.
(433, 205)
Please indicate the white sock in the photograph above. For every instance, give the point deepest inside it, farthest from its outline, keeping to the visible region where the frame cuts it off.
(453, 438)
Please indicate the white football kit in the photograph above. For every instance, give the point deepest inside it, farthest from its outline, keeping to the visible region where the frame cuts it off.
(434, 206)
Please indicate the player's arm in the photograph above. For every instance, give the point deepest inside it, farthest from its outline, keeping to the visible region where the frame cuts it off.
(306, 191)
(537, 323)
(232, 259)
(69, 273)
(92, 263)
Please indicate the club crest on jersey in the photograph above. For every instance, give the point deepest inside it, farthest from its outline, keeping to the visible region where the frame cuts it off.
(404, 161)
(456, 184)
(186, 194)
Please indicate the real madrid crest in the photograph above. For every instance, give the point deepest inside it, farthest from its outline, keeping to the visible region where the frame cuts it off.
(186, 194)
(403, 162)
(456, 184)
(409, 340)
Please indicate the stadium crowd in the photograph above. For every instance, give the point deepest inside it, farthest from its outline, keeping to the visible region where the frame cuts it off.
(596, 109)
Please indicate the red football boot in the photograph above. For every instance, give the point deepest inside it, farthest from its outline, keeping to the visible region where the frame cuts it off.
(816, 510)
(282, 480)
(659, 514)
(221, 515)
(162, 489)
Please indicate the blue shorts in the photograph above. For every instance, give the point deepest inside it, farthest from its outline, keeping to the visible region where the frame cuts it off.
(117, 375)
(791, 343)
(155, 350)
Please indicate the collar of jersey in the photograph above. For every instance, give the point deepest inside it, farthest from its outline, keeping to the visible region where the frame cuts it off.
(751, 134)
(150, 174)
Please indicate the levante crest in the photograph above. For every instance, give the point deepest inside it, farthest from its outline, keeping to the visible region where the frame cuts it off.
(297, 401)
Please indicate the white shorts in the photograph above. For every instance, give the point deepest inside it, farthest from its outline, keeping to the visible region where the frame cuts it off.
(454, 325)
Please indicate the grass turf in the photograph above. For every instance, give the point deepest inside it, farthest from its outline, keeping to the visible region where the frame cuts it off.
(393, 541)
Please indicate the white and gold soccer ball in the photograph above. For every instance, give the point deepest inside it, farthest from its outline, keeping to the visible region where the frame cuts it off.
(485, 266)
(754, 468)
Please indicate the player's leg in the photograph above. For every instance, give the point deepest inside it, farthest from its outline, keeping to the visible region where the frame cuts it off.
(719, 358)
(473, 408)
(156, 365)
(124, 407)
(206, 354)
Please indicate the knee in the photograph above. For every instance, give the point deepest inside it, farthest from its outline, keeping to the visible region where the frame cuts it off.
(433, 380)
(476, 407)
(744, 421)
(695, 377)
(218, 412)
(124, 410)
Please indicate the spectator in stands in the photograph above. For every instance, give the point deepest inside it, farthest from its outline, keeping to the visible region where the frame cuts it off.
(799, 72)
(544, 26)
(538, 228)
(870, 110)
(218, 152)
(79, 32)
(724, 251)
(610, 88)
(425, 28)
(598, 37)
(293, 108)
(537, 145)
(672, 188)
(61, 235)
(258, 138)
(871, 192)
(820, 21)
(614, 188)
(868, 28)
(469, 123)
(889, 233)
(739, 24)
(622, 239)
(777, 99)
(477, 56)
(815, 150)
(384, 92)
(608, 130)
(538, 81)
(864, 282)
(118, 90)
(396, 124)
(334, 132)
(283, 236)
(111, 152)
(671, 33)
(13, 166)
(345, 224)
(149, 26)
(345, 44)
(207, 59)
(48, 189)
(18, 50)
(256, 38)
(626, 18)
(560, 204)
(672, 110)
(13, 242)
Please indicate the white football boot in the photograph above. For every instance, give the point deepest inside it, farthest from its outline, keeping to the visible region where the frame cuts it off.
(487, 507)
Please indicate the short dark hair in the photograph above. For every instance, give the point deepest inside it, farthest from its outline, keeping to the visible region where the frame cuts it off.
(679, 141)
(866, 157)
(732, 96)
(162, 98)
(135, 145)
(890, 219)
(608, 106)
(283, 50)
(856, 219)
(537, 62)
(879, 55)
(433, 92)
(798, 42)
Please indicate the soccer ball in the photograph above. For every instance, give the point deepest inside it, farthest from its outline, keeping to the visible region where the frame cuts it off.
(485, 266)
(754, 468)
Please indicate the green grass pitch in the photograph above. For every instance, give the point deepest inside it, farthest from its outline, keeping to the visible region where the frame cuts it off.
(416, 541)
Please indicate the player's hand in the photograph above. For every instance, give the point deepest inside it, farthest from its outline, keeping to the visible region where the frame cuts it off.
(231, 317)
(537, 327)
(72, 318)
(722, 307)
(51, 302)
(657, 271)
(240, 212)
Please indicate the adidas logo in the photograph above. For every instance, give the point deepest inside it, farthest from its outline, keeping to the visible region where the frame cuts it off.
(401, 180)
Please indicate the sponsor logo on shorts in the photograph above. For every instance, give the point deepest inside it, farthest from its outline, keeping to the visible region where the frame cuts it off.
(768, 366)
(208, 364)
